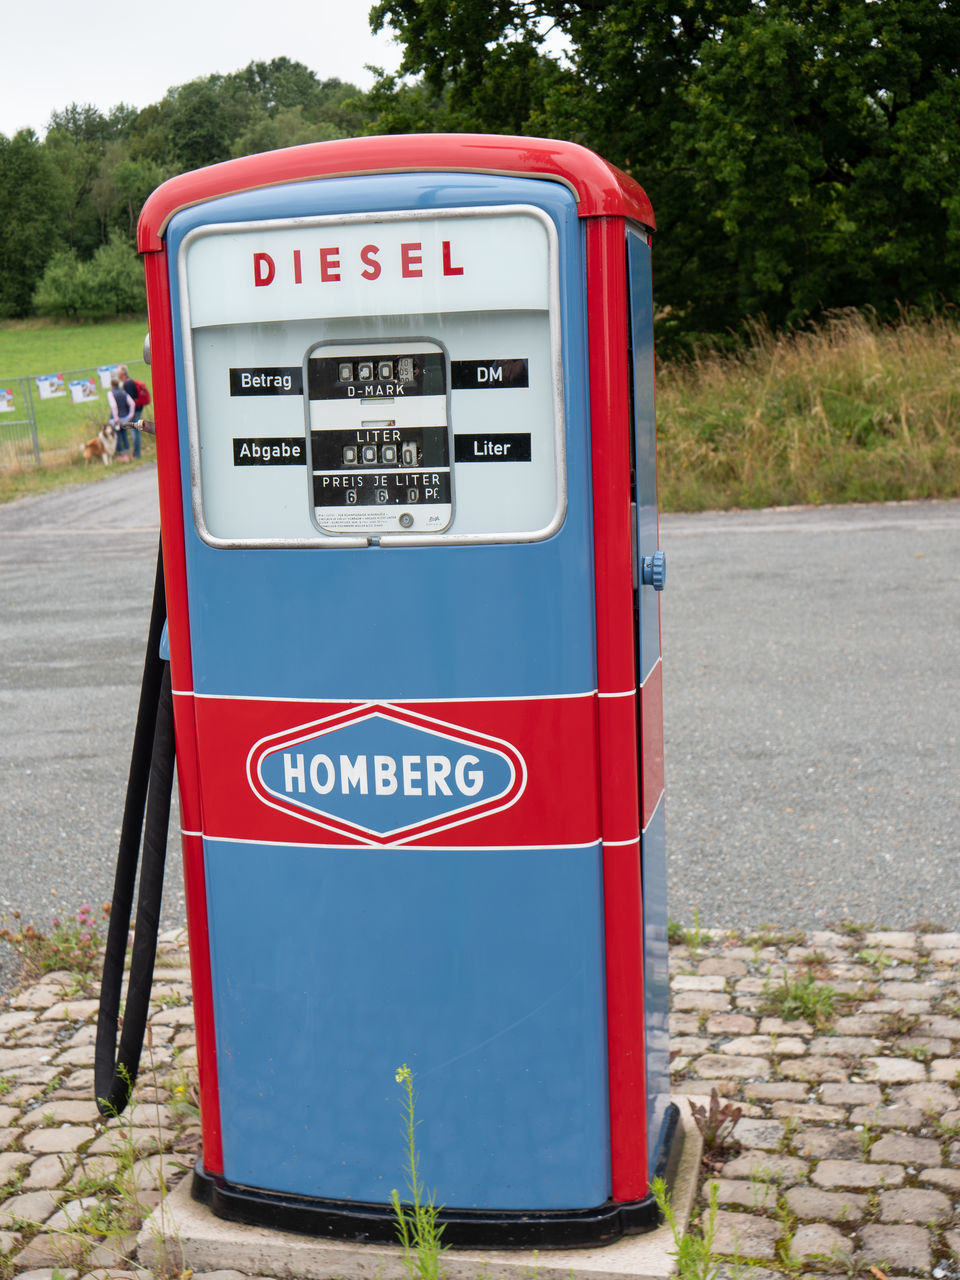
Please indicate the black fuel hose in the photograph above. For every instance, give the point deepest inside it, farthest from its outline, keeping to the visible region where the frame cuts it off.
(149, 790)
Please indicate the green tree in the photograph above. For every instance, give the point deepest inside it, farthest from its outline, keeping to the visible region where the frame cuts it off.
(149, 137)
(806, 126)
(799, 153)
(134, 180)
(265, 105)
(84, 145)
(341, 105)
(81, 190)
(31, 207)
(288, 106)
(287, 128)
(399, 106)
(277, 85)
(203, 119)
(481, 61)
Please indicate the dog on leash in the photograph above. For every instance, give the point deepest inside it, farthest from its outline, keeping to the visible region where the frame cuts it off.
(102, 446)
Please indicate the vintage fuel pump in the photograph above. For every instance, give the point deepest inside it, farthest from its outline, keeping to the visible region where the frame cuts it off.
(404, 404)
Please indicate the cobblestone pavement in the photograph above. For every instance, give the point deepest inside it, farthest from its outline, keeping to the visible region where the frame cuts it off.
(844, 1162)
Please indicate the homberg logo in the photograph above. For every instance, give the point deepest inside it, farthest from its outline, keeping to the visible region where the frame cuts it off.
(383, 775)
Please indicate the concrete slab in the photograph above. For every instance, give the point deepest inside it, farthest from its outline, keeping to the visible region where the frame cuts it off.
(187, 1234)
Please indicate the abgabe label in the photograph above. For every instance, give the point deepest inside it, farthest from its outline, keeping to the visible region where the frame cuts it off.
(269, 451)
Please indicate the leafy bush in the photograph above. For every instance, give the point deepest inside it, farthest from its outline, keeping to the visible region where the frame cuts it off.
(118, 275)
(109, 284)
(66, 288)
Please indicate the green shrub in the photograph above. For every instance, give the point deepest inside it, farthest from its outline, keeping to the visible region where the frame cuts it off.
(118, 274)
(66, 288)
(109, 284)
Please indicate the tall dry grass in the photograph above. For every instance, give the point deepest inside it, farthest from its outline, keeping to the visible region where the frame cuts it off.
(849, 411)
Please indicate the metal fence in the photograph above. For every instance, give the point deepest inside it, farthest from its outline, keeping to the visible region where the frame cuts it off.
(53, 413)
(18, 436)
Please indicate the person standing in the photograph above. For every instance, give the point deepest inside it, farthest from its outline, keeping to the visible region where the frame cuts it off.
(122, 408)
(130, 387)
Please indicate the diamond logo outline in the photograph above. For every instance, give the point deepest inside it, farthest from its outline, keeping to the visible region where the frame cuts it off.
(311, 731)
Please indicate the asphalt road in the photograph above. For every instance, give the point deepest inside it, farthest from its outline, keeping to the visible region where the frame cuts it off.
(811, 710)
(76, 582)
(812, 717)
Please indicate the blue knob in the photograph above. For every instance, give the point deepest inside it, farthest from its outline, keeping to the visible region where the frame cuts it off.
(654, 570)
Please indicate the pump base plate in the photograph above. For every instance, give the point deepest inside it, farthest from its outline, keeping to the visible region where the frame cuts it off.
(463, 1228)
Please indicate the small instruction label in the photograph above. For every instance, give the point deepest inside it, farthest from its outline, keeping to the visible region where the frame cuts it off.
(485, 375)
(269, 451)
(486, 447)
(267, 381)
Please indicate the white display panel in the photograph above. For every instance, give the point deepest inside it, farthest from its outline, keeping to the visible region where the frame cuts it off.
(262, 313)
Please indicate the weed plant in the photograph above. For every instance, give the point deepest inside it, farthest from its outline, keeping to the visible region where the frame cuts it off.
(73, 944)
(815, 965)
(716, 1123)
(694, 938)
(802, 997)
(853, 929)
(769, 936)
(419, 1233)
(866, 1137)
(692, 1251)
(846, 411)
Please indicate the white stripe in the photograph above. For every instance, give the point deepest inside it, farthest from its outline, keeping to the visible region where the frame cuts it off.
(403, 848)
(616, 844)
(386, 702)
(629, 693)
(655, 808)
(658, 663)
(465, 848)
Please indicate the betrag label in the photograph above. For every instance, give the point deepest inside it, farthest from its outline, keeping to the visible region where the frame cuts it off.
(385, 774)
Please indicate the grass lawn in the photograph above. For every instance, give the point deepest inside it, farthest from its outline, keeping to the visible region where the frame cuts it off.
(32, 348)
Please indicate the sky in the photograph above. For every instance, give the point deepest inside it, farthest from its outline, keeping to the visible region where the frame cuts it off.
(60, 51)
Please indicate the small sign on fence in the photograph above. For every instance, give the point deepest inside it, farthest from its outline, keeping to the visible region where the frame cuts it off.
(6, 399)
(106, 372)
(84, 389)
(50, 385)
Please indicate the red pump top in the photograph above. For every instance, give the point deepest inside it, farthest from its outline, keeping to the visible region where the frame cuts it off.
(600, 189)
